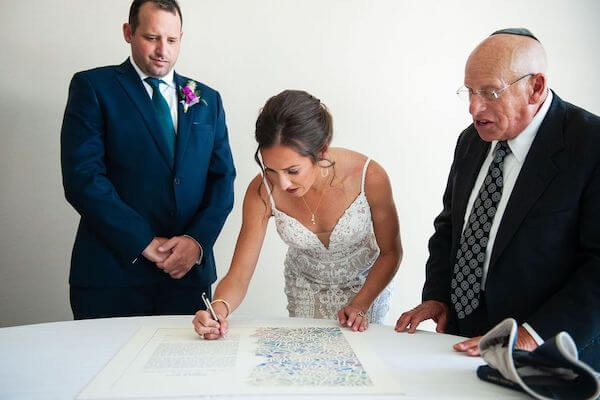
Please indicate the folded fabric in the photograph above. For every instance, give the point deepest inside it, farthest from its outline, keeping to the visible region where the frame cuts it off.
(551, 371)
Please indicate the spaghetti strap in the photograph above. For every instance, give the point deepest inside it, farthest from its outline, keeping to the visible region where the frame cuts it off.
(364, 175)
(268, 189)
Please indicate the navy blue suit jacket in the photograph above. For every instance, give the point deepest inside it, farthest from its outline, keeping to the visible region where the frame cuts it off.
(119, 176)
(545, 264)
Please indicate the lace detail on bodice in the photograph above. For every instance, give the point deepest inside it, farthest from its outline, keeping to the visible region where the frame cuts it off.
(320, 280)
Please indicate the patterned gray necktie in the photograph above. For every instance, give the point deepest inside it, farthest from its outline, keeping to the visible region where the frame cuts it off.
(468, 269)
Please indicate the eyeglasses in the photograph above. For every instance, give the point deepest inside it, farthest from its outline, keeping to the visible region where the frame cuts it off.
(464, 93)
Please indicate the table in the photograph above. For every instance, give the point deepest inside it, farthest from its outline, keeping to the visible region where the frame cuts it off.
(57, 360)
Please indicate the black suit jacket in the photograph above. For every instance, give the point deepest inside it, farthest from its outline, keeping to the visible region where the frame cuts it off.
(545, 264)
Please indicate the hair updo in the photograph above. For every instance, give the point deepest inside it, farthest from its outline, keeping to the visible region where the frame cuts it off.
(295, 119)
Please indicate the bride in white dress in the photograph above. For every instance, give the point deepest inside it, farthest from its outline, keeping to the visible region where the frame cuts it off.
(333, 207)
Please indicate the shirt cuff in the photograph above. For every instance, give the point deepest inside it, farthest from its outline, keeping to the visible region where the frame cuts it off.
(533, 334)
(199, 261)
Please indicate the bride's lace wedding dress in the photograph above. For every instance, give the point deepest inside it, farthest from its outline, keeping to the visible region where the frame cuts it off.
(320, 280)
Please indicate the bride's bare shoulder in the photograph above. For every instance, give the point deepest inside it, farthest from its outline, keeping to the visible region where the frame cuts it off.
(257, 194)
(348, 163)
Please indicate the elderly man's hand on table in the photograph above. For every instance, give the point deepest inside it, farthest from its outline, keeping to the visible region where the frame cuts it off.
(430, 309)
(471, 346)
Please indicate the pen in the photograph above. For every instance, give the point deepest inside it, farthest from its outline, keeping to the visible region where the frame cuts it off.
(209, 307)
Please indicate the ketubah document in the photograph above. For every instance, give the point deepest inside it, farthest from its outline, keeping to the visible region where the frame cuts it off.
(320, 358)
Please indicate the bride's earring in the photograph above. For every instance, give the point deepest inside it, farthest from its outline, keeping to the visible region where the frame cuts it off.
(326, 173)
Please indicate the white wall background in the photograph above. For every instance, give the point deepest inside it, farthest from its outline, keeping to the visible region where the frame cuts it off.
(387, 70)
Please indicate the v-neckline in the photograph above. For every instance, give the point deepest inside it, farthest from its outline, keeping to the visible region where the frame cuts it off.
(337, 223)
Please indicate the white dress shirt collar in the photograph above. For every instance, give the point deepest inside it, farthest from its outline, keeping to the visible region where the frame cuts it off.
(168, 90)
(168, 79)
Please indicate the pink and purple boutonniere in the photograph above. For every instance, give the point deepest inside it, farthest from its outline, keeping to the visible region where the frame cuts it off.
(190, 95)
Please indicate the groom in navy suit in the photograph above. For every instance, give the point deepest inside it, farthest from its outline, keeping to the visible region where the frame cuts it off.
(146, 162)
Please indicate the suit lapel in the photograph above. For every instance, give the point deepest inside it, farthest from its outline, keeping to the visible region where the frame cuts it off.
(536, 174)
(467, 169)
(134, 87)
(184, 122)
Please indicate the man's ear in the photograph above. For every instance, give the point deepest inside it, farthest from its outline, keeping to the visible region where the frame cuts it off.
(127, 33)
(539, 88)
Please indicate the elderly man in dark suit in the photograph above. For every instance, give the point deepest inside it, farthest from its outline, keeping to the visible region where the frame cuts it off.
(519, 235)
(146, 162)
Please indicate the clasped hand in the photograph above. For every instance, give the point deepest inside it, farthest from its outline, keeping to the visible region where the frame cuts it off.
(175, 256)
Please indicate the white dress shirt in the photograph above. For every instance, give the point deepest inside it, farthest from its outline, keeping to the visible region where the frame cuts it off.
(167, 89)
(513, 162)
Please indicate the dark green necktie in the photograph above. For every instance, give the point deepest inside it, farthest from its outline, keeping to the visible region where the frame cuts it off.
(163, 113)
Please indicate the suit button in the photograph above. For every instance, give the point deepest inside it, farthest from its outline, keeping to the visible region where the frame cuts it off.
(172, 213)
(176, 181)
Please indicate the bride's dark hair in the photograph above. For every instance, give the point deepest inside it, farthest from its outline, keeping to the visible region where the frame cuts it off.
(295, 119)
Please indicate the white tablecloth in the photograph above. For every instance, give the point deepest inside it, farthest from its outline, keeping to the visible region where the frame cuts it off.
(57, 360)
